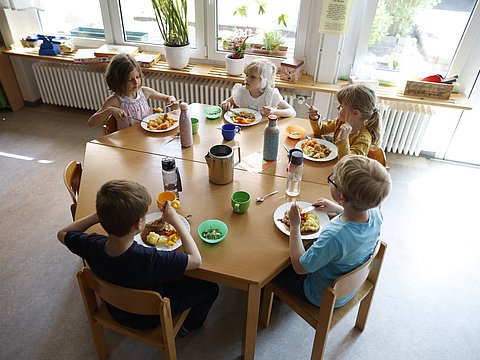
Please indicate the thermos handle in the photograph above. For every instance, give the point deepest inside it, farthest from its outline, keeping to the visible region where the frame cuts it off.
(239, 157)
(179, 180)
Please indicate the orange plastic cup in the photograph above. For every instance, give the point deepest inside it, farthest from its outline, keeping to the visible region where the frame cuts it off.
(167, 196)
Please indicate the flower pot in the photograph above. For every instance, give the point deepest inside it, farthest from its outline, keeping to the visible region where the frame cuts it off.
(234, 66)
(177, 56)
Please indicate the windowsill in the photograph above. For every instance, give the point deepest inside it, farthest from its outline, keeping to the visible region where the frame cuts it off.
(306, 83)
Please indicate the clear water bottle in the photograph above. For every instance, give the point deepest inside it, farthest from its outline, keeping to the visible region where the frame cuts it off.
(171, 176)
(186, 137)
(271, 136)
(294, 175)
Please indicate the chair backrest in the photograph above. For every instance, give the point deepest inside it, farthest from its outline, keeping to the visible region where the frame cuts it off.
(142, 302)
(352, 281)
(377, 153)
(110, 125)
(71, 177)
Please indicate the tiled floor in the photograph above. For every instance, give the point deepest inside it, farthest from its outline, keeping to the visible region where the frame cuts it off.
(426, 305)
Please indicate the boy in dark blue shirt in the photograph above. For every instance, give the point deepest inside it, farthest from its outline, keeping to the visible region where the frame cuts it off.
(121, 208)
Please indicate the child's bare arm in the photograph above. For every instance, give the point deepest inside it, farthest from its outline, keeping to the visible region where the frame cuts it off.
(189, 245)
(170, 100)
(79, 225)
(328, 206)
(295, 242)
(111, 106)
(283, 109)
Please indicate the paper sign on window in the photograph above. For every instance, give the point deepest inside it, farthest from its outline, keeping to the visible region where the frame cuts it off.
(335, 16)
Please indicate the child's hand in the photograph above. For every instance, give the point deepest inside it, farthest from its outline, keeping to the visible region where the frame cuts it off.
(294, 215)
(327, 206)
(313, 113)
(345, 130)
(268, 110)
(117, 112)
(172, 103)
(169, 214)
(226, 105)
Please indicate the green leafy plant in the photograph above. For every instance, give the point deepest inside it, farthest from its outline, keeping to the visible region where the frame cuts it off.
(272, 40)
(172, 21)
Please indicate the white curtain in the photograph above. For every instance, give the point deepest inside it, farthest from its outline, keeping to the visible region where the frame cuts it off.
(21, 4)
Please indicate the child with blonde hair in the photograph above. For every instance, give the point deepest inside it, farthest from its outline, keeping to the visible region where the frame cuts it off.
(259, 92)
(128, 103)
(357, 126)
(358, 185)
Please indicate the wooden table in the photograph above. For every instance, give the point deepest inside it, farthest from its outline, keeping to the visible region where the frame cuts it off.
(254, 251)
(250, 140)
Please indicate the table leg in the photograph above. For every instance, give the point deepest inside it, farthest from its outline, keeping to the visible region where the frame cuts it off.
(251, 321)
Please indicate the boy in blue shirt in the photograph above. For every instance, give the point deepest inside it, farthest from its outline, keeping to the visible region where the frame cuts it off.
(121, 208)
(358, 185)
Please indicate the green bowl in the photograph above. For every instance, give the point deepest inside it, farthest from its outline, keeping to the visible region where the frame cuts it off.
(213, 112)
(213, 224)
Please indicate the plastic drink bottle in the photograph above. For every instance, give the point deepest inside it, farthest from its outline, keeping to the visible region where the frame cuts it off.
(294, 176)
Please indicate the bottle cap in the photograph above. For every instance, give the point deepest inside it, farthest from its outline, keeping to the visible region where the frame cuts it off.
(168, 164)
(272, 117)
(297, 158)
(183, 106)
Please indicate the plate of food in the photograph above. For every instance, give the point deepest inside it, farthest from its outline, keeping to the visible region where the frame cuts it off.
(160, 234)
(243, 117)
(311, 222)
(158, 123)
(317, 149)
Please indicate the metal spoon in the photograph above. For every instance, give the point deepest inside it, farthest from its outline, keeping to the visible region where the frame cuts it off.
(177, 135)
(262, 198)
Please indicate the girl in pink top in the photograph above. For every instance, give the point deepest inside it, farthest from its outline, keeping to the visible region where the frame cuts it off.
(129, 99)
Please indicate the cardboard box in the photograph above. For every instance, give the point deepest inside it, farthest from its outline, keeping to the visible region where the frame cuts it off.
(428, 89)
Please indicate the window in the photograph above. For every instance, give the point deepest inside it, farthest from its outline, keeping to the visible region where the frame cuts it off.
(275, 21)
(140, 25)
(414, 39)
(60, 16)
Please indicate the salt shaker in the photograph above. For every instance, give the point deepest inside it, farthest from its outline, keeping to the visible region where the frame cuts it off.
(270, 139)
(171, 176)
(186, 137)
(294, 176)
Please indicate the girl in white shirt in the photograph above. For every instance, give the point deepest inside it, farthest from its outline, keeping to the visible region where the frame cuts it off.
(259, 92)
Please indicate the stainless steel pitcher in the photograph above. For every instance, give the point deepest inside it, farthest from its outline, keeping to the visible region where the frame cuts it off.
(220, 163)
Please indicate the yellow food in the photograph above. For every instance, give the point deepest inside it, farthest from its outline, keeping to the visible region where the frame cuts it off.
(176, 204)
(159, 233)
(309, 222)
(243, 117)
(161, 122)
(314, 149)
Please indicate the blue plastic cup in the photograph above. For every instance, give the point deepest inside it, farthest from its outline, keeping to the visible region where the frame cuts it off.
(229, 131)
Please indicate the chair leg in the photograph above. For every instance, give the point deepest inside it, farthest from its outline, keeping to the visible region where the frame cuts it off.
(266, 306)
(323, 325)
(363, 311)
(100, 341)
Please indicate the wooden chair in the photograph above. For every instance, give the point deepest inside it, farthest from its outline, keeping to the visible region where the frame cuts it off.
(110, 125)
(71, 177)
(141, 302)
(377, 153)
(325, 318)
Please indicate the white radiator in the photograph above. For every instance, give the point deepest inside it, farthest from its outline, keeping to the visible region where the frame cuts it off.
(404, 126)
(84, 86)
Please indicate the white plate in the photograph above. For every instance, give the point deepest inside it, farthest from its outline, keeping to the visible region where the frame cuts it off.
(144, 124)
(155, 216)
(328, 144)
(258, 116)
(280, 212)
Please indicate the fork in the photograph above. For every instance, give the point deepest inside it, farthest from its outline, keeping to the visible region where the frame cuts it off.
(177, 135)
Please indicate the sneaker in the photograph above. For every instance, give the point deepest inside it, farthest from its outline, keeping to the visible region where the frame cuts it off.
(183, 331)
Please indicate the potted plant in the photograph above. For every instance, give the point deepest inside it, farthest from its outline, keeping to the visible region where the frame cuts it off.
(172, 21)
(235, 60)
(272, 42)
